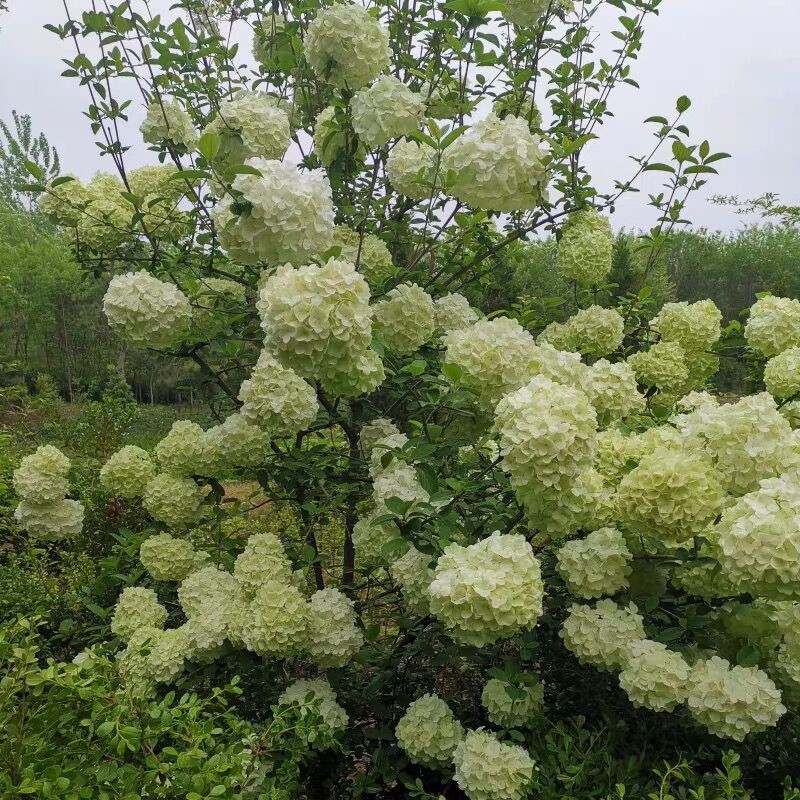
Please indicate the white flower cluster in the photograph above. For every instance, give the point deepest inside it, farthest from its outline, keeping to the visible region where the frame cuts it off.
(488, 769)
(64, 204)
(782, 374)
(181, 452)
(107, 218)
(774, 325)
(214, 299)
(757, 539)
(732, 701)
(599, 635)
(333, 635)
(263, 559)
(318, 321)
(404, 318)
(591, 331)
(412, 573)
(370, 540)
(612, 390)
(663, 365)
(346, 46)
(145, 311)
(41, 483)
(166, 121)
(386, 110)
(585, 247)
(528, 12)
(498, 164)
(281, 215)
(546, 436)
(748, 440)
(488, 590)
(322, 701)
(452, 312)
(127, 472)
(411, 168)
(597, 565)
(674, 494)
(373, 432)
(233, 443)
(249, 125)
(173, 500)
(654, 677)
(167, 558)
(136, 608)
(277, 399)
(368, 252)
(512, 706)
(428, 732)
(694, 326)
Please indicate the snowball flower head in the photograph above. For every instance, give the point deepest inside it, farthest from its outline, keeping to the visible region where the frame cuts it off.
(279, 620)
(167, 558)
(773, 325)
(332, 628)
(322, 702)
(277, 399)
(173, 500)
(757, 538)
(428, 732)
(597, 565)
(404, 318)
(386, 110)
(318, 321)
(600, 634)
(370, 540)
(663, 366)
(488, 769)
(591, 331)
(528, 12)
(512, 706)
(694, 326)
(263, 559)
(782, 374)
(585, 247)
(367, 252)
(732, 701)
(674, 494)
(373, 432)
(452, 312)
(612, 390)
(249, 125)
(347, 46)
(42, 476)
(64, 204)
(182, 451)
(137, 607)
(207, 587)
(166, 121)
(53, 521)
(412, 573)
(654, 677)
(107, 219)
(145, 311)
(498, 164)
(411, 168)
(235, 443)
(127, 472)
(283, 214)
(488, 590)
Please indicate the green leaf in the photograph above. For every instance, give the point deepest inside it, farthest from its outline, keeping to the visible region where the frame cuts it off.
(209, 145)
(683, 103)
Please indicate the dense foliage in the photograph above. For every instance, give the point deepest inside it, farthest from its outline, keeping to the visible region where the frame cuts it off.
(482, 555)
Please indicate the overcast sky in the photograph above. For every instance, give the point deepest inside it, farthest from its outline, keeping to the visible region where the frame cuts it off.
(738, 60)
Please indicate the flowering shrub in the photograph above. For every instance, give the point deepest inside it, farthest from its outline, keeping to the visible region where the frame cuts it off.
(529, 517)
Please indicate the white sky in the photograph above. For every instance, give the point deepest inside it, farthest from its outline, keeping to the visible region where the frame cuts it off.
(738, 60)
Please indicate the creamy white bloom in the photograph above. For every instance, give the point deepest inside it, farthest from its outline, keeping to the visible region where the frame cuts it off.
(528, 12)
(654, 677)
(600, 634)
(333, 635)
(591, 331)
(277, 620)
(207, 588)
(173, 500)
(488, 590)
(59, 519)
(612, 390)
(369, 253)
(263, 559)
(694, 326)
(512, 706)
(42, 476)
(283, 215)
(732, 701)
(136, 607)
(773, 325)
(277, 399)
(64, 204)
(428, 731)
(585, 247)
(235, 443)
(404, 318)
(166, 121)
(782, 374)
(412, 168)
(452, 312)
(322, 702)
(412, 573)
(182, 451)
(167, 558)
(373, 432)
(597, 565)
(346, 46)
(488, 769)
(127, 472)
(498, 164)
(386, 110)
(146, 311)
(663, 366)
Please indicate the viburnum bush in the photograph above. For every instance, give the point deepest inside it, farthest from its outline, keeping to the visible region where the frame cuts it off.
(515, 504)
